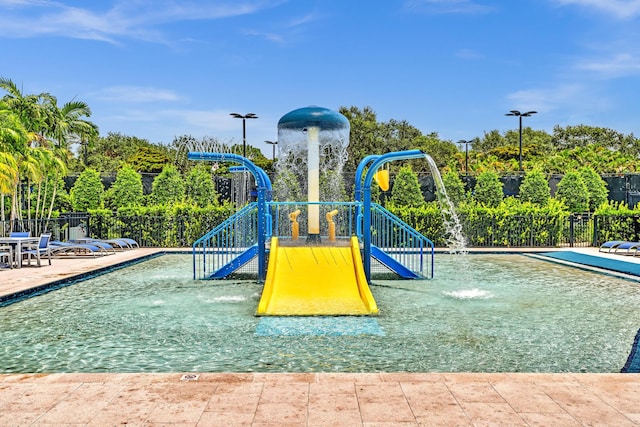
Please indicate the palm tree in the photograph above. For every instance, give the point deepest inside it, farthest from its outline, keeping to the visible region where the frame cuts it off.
(66, 125)
(13, 142)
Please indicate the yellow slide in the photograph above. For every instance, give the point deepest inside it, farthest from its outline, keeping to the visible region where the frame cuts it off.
(316, 281)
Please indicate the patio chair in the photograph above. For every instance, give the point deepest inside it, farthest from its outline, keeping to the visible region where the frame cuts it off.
(20, 234)
(37, 252)
(6, 252)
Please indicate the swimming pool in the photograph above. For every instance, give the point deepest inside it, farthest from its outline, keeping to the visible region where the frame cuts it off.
(494, 313)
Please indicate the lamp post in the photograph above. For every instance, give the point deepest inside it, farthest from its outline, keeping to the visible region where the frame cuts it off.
(520, 116)
(244, 129)
(273, 145)
(466, 154)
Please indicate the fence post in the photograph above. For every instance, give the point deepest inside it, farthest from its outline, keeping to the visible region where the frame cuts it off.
(571, 230)
(595, 231)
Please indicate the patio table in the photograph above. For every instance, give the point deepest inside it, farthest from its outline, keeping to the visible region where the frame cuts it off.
(17, 243)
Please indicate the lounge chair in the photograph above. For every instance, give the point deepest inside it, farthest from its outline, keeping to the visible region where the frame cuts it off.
(610, 245)
(132, 243)
(99, 243)
(70, 249)
(120, 244)
(627, 248)
(38, 251)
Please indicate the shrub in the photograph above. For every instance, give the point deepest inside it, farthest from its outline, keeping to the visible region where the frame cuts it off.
(199, 187)
(87, 191)
(406, 189)
(126, 190)
(596, 187)
(573, 192)
(454, 186)
(488, 189)
(535, 188)
(168, 187)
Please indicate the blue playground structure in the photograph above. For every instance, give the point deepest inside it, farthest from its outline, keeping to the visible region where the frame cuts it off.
(242, 243)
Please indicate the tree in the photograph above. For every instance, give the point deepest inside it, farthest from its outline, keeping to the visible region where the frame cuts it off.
(488, 189)
(87, 191)
(367, 136)
(108, 153)
(535, 188)
(440, 151)
(573, 192)
(596, 187)
(168, 188)
(406, 189)
(126, 191)
(199, 187)
(150, 159)
(454, 186)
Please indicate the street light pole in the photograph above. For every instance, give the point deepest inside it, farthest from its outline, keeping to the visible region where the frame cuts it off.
(466, 154)
(244, 128)
(520, 116)
(273, 145)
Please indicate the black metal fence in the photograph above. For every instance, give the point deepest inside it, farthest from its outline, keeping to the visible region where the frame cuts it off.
(509, 231)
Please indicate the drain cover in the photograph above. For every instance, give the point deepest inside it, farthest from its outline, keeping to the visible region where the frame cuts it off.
(190, 377)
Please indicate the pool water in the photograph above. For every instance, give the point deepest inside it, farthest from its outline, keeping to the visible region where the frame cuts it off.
(481, 313)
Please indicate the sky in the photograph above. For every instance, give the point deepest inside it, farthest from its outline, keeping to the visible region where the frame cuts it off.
(160, 69)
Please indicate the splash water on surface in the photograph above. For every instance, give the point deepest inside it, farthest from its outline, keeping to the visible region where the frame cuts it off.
(474, 293)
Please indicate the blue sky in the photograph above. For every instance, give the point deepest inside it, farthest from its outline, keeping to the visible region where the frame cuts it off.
(159, 69)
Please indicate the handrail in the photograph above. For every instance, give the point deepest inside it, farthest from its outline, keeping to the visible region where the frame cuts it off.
(264, 194)
(403, 246)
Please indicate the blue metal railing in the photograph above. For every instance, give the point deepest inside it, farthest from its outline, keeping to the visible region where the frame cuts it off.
(345, 219)
(401, 242)
(225, 242)
(243, 236)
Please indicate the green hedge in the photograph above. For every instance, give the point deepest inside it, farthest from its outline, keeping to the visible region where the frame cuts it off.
(510, 224)
(158, 226)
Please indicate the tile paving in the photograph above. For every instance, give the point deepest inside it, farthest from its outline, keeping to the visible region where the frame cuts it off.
(304, 399)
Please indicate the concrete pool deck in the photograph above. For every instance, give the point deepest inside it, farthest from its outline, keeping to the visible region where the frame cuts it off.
(305, 399)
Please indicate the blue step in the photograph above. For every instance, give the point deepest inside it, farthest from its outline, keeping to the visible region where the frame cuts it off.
(389, 262)
(236, 263)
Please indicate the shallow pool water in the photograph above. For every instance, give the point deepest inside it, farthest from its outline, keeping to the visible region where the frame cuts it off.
(481, 313)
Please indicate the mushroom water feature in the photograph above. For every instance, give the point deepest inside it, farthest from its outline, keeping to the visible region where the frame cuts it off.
(313, 141)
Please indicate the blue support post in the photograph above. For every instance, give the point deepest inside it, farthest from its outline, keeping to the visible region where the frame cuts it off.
(366, 232)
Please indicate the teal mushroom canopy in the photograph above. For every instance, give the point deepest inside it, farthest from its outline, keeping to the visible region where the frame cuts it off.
(315, 116)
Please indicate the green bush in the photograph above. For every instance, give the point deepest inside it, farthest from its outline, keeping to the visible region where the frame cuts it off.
(126, 191)
(454, 186)
(488, 189)
(535, 188)
(199, 187)
(573, 192)
(168, 188)
(87, 191)
(596, 187)
(160, 226)
(406, 189)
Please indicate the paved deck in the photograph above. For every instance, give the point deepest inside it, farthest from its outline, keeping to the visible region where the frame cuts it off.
(236, 399)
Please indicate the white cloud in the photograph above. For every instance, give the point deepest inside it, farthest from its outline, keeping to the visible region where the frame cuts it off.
(124, 19)
(623, 9)
(621, 64)
(468, 54)
(137, 94)
(545, 100)
(447, 6)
